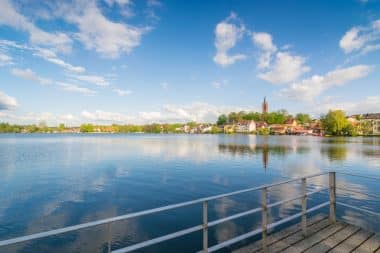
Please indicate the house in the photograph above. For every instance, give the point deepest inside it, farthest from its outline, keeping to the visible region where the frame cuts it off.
(228, 129)
(374, 119)
(206, 129)
(278, 129)
(246, 126)
(261, 124)
(299, 130)
(316, 128)
(291, 122)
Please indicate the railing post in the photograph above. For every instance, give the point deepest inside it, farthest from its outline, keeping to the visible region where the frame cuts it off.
(109, 237)
(332, 185)
(264, 218)
(205, 227)
(304, 207)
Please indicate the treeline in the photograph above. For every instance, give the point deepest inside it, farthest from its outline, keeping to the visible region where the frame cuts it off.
(8, 128)
(149, 128)
(91, 128)
(278, 117)
(336, 123)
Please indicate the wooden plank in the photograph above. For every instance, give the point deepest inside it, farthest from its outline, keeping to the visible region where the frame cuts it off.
(315, 238)
(370, 246)
(297, 237)
(333, 240)
(352, 242)
(274, 237)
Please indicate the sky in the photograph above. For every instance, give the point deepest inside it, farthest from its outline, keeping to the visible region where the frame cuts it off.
(144, 61)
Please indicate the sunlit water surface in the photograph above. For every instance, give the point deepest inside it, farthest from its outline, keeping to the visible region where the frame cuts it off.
(52, 181)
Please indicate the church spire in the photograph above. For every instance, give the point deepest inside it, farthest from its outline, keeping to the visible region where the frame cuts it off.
(265, 106)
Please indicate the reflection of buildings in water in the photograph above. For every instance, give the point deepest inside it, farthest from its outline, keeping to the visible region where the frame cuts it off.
(265, 149)
(265, 156)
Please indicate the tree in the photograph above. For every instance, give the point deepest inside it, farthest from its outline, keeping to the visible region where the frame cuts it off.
(61, 127)
(86, 128)
(256, 116)
(335, 122)
(232, 117)
(222, 119)
(303, 118)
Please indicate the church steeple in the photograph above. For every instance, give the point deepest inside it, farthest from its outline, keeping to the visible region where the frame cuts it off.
(264, 106)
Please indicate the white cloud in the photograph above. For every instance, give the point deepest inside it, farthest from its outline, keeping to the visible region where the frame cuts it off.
(46, 54)
(51, 56)
(11, 17)
(5, 59)
(227, 35)
(219, 84)
(7, 102)
(107, 37)
(216, 84)
(164, 85)
(75, 88)
(361, 39)
(97, 80)
(308, 89)
(122, 93)
(28, 74)
(107, 117)
(34, 118)
(370, 104)
(197, 111)
(264, 42)
(286, 68)
(119, 2)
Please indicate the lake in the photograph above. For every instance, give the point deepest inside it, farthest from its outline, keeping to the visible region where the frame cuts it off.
(55, 180)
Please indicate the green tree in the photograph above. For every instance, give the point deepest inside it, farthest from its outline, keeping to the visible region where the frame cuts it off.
(86, 128)
(222, 120)
(233, 117)
(303, 118)
(256, 116)
(216, 130)
(61, 127)
(335, 122)
(263, 131)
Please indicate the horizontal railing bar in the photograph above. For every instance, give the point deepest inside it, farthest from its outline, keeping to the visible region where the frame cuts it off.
(287, 219)
(159, 239)
(359, 192)
(357, 175)
(295, 198)
(235, 216)
(358, 208)
(259, 230)
(141, 213)
(238, 215)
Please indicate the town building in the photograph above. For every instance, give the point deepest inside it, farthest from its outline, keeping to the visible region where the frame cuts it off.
(264, 106)
(261, 124)
(246, 126)
(374, 119)
(278, 129)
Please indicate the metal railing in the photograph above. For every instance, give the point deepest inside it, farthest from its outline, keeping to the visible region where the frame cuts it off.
(265, 206)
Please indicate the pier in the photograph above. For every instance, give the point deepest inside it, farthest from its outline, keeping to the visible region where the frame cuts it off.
(315, 232)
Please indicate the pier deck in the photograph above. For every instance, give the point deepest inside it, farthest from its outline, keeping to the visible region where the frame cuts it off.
(322, 236)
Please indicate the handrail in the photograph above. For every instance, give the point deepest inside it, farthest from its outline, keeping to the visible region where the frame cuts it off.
(141, 213)
(206, 224)
(358, 192)
(357, 175)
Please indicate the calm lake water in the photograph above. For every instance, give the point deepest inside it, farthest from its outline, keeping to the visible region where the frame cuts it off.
(51, 181)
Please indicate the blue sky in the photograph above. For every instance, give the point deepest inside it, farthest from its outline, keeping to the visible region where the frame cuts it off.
(125, 61)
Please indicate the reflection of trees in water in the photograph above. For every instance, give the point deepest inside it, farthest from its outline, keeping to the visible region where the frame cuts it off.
(372, 152)
(335, 153)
